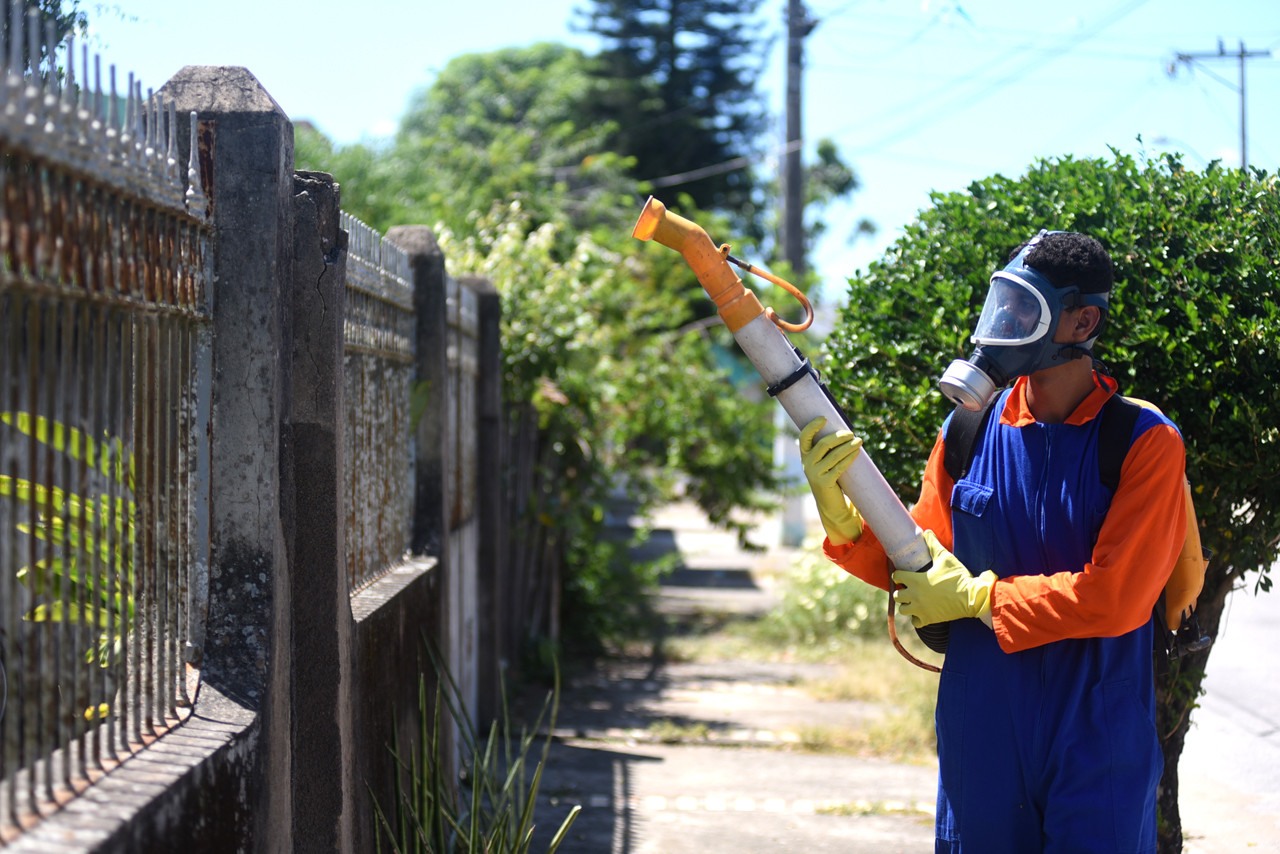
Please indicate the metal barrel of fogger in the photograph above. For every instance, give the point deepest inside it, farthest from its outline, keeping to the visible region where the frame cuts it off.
(776, 360)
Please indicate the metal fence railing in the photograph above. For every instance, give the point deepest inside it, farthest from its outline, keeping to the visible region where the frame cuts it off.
(104, 373)
(379, 370)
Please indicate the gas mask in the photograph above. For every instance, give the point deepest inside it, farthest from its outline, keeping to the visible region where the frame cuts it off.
(1015, 332)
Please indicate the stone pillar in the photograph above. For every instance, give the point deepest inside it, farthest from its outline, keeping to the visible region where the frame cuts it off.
(494, 640)
(324, 787)
(430, 525)
(433, 489)
(246, 154)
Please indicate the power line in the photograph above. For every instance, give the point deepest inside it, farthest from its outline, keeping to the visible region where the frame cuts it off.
(868, 65)
(727, 166)
(1030, 55)
(933, 110)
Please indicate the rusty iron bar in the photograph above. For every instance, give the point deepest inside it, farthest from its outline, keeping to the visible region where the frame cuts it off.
(103, 337)
(135, 154)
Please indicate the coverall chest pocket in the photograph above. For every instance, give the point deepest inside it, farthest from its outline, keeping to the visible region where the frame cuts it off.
(972, 508)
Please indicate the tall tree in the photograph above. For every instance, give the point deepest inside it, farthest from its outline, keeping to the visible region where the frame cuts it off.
(497, 125)
(678, 80)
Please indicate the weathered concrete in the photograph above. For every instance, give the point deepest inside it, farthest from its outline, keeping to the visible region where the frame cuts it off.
(394, 620)
(496, 649)
(305, 687)
(430, 305)
(193, 785)
(398, 617)
(319, 659)
(246, 145)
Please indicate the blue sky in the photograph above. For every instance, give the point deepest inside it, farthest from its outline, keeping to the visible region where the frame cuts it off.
(920, 96)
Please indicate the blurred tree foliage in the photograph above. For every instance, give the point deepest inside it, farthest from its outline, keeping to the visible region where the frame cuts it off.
(1195, 329)
(66, 16)
(491, 128)
(625, 406)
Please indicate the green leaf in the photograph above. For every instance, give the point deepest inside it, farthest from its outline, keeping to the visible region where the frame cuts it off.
(107, 456)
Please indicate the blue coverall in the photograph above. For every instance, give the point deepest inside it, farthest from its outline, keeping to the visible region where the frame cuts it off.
(1065, 731)
(1046, 725)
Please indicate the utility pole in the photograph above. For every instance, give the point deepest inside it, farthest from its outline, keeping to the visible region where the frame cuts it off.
(1241, 54)
(799, 25)
(786, 453)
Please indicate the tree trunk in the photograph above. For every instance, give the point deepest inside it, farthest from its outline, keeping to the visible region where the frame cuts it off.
(1177, 693)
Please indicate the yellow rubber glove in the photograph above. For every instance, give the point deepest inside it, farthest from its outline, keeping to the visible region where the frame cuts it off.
(824, 462)
(944, 592)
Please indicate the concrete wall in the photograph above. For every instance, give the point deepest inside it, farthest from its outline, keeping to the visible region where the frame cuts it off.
(304, 686)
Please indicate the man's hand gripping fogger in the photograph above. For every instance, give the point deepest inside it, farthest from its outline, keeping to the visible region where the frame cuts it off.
(824, 462)
(944, 592)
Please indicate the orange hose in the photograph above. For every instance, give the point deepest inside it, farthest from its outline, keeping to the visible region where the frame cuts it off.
(782, 283)
(737, 305)
(897, 644)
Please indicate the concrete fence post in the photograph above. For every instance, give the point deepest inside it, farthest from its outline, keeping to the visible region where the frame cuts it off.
(246, 147)
(319, 659)
(430, 526)
(494, 633)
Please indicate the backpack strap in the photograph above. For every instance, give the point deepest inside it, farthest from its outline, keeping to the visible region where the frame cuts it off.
(962, 438)
(1119, 417)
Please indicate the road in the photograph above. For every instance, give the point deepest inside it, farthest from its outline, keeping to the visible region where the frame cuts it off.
(1230, 768)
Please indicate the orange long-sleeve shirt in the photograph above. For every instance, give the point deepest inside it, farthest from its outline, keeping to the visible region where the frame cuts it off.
(1135, 551)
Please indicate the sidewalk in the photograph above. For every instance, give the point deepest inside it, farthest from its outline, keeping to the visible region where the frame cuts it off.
(735, 787)
(740, 789)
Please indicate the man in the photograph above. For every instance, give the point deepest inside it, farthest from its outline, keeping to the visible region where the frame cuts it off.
(1046, 710)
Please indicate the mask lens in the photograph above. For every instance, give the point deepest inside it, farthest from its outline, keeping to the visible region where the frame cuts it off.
(1014, 313)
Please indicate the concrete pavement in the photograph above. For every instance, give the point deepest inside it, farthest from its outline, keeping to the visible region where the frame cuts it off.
(1229, 774)
(732, 784)
(677, 758)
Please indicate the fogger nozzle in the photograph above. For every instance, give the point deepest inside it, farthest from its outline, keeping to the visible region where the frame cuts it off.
(736, 304)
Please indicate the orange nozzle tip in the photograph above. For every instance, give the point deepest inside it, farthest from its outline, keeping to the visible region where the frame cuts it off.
(650, 216)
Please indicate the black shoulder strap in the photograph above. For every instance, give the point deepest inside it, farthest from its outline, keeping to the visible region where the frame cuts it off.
(962, 438)
(1119, 417)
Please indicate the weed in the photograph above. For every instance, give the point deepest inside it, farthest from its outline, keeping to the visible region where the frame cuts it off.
(490, 808)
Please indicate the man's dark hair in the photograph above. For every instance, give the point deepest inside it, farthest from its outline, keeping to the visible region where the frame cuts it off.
(1067, 258)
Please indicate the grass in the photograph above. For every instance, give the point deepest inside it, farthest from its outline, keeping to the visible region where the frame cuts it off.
(866, 670)
(903, 734)
(485, 806)
(668, 731)
(863, 808)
